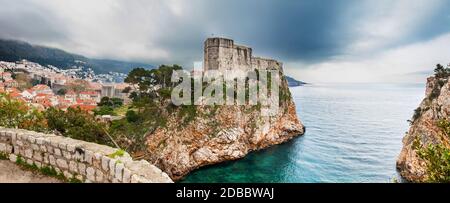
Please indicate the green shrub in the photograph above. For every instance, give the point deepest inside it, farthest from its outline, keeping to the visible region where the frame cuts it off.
(436, 157)
(77, 124)
(188, 113)
(45, 170)
(435, 92)
(104, 110)
(49, 171)
(165, 92)
(130, 136)
(3, 156)
(417, 114)
(16, 114)
(110, 102)
(445, 126)
(118, 153)
(61, 92)
(132, 116)
(441, 72)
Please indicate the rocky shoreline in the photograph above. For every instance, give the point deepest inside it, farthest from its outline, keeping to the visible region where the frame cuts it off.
(425, 130)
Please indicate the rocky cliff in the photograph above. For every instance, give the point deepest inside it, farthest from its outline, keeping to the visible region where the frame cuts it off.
(207, 135)
(425, 130)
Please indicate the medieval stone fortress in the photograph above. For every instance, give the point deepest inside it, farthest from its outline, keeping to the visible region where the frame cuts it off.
(223, 54)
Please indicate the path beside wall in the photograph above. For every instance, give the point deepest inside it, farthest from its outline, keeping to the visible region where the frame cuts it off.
(75, 159)
(12, 173)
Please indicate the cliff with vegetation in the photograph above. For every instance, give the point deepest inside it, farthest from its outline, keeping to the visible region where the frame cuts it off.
(197, 136)
(425, 156)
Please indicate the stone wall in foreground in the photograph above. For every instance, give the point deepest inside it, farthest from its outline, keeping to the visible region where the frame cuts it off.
(84, 161)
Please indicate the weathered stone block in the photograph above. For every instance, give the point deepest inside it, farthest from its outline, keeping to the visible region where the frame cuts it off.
(97, 160)
(9, 149)
(31, 139)
(37, 156)
(50, 149)
(105, 163)
(62, 146)
(28, 153)
(2, 147)
(88, 156)
(139, 179)
(13, 136)
(67, 174)
(57, 152)
(71, 148)
(35, 147)
(67, 154)
(30, 162)
(73, 167)
(52, 160)
(46, 159)
(40, 141)
(22, 151)
(126, 176)
(20, 136)
(119, 171)
(82, 168)
(99, 176)
(16, 150)
(13, 157)
(112, 167)
(62, 163)
(98, 156)
(90, 174)
(54, 143)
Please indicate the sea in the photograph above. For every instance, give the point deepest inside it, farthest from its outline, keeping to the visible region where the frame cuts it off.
(353, 134)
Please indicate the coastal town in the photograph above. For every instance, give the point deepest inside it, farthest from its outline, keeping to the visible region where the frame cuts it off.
(43, 87)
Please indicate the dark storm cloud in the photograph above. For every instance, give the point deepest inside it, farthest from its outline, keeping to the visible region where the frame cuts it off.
(309, 30)
(290, 29)
(28, 22)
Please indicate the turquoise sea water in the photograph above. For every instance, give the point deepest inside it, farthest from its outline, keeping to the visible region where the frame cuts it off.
(353, 134)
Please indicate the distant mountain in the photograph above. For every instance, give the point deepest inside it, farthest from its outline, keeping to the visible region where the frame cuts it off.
(12, 50)
(293, 82)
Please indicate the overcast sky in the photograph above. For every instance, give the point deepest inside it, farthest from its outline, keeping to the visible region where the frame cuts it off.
(318, 40)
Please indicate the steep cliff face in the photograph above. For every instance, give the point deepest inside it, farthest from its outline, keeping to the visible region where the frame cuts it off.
(425, 129)
(206, 135)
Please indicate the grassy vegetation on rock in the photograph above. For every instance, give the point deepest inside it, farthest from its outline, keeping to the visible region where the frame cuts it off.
(436, 157)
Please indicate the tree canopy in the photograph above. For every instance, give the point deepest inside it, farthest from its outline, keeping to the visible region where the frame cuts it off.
(148, 81)
(441, 72)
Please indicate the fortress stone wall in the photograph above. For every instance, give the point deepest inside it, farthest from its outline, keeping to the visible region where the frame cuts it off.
(222, 54)
(84, 161)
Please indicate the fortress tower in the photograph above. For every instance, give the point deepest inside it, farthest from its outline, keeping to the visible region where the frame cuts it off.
(222, 54)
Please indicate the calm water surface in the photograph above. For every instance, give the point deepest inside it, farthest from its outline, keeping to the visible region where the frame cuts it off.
(353, 134)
